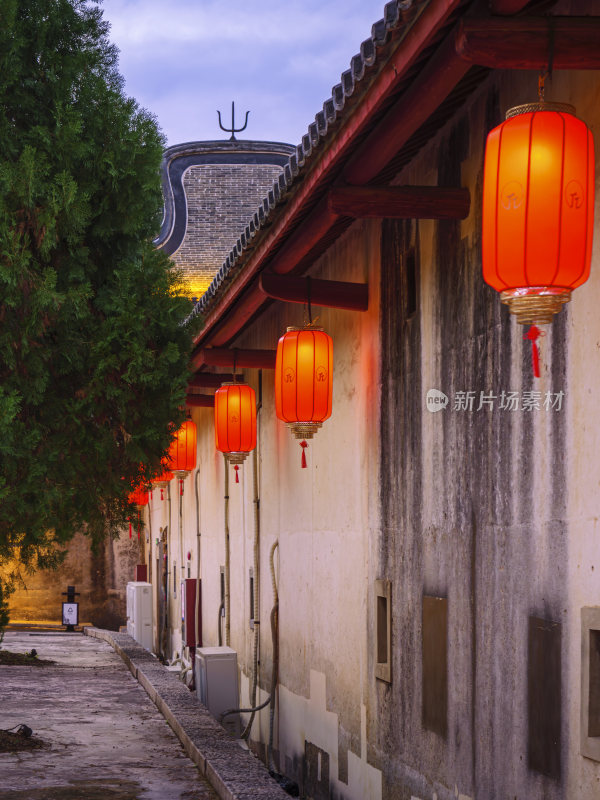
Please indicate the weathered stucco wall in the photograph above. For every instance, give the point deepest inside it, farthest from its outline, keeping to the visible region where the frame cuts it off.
(101, 578)
(481, 507)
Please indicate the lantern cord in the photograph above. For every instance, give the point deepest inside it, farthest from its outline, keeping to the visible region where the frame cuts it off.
(310, 321)
(237, 477)
(138, 524)
(303, 445)
(547, 73)
(532, 335)
(234, 362)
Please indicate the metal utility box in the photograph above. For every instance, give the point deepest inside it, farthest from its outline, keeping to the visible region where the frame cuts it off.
(139, 612)
(217, 684)
(188, 612)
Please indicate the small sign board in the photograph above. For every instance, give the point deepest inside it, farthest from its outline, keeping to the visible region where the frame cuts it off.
(70, 613)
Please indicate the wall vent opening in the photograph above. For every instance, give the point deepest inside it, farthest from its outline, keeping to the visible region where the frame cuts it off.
(590, 682)
(435, 664)
(383, 630)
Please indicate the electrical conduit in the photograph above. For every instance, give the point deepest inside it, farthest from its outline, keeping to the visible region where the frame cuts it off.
(256, 609)
(227, 565)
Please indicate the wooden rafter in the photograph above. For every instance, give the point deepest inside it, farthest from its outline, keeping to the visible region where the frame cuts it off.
(331, 294)
(230, 357)
(530, 42)
(400, 202)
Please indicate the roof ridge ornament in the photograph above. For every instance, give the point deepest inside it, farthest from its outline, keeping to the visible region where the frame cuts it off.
(233, 130)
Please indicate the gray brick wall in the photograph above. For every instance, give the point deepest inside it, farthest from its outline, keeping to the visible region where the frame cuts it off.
(220, 201)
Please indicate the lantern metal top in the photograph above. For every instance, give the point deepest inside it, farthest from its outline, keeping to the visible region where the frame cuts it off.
(292, 328)
(528, 108)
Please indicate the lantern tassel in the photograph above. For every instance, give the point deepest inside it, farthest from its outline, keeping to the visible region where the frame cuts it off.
(237, 477)
(129, 518)
(303, 445)
(161, 493)
(181, 487)
(532, 334)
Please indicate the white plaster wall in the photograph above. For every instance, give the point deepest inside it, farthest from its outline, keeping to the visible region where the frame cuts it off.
(323, 517)
(583, 456)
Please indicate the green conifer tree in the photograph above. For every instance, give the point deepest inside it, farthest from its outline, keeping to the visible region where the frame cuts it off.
(93, 350)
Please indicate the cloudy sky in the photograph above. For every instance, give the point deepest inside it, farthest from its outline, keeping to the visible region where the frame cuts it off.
(184, 59)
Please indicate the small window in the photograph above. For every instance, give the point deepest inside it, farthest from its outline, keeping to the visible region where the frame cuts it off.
(383, 630)
(435, 664)
(544, 697)
(590, 682)
(410, 283)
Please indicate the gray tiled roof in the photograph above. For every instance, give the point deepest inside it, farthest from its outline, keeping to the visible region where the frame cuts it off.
(394, 16)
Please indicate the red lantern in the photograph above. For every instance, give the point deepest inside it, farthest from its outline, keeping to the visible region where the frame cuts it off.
(165, 477)
(303, 381)
(538, 209)
(182, 452)
(139, 498)
(235, 422)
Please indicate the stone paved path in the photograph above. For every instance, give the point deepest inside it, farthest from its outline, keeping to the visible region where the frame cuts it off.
(105, 738)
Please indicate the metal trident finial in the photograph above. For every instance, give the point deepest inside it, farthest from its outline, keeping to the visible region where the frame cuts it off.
(233, 130)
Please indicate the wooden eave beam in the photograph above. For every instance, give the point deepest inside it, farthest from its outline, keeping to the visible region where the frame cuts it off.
(211, 380)
(525, 42)
(200, 400)
(226, 357)
(507, 6)
(428, 90)
(400, 202)
(330, 294)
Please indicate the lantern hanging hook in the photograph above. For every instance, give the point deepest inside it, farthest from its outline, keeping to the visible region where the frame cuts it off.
(547, 73)
(234, 362)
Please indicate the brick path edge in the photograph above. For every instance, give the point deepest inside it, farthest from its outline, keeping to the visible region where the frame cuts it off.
(234, 773)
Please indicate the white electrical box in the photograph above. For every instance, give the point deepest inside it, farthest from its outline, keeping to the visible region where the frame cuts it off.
(139, 612)
(217, 684)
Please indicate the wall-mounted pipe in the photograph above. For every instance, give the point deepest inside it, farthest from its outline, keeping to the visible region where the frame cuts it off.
(227, 553)
(275, 638)
(198, 562)
(256, 608)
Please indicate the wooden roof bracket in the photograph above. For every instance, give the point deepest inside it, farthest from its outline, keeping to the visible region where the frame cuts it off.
(230, 357)
(523, 42)
(200, 400)
(212, 380)
(330, 294)
(400, 202)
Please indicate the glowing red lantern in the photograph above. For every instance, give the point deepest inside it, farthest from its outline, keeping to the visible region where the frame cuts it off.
(303, 381)
(538, 209)
(235, 422)
(161, 481)
(182, 452)
(138, 498)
